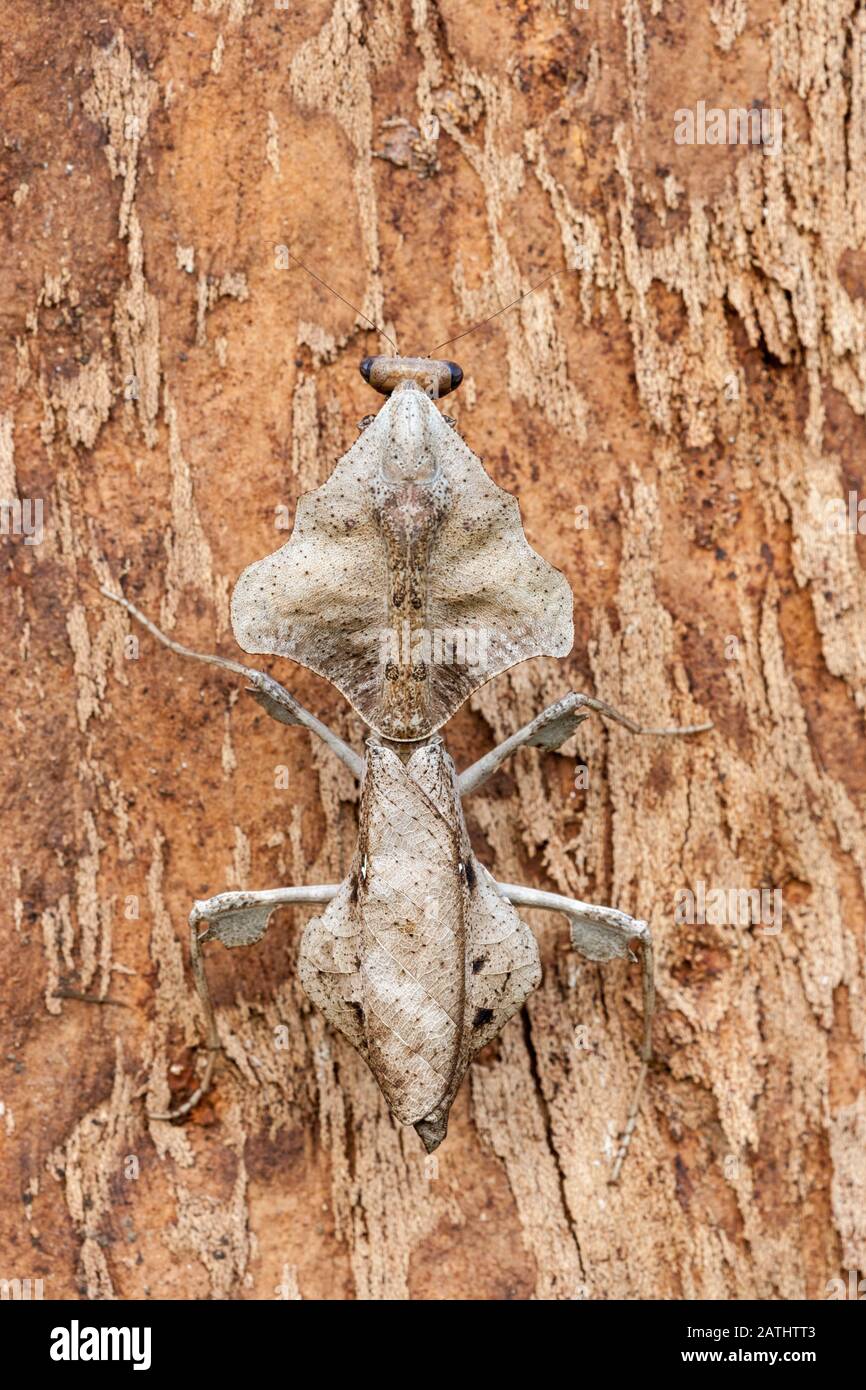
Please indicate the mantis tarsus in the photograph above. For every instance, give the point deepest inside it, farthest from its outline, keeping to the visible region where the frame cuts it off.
(408, 582)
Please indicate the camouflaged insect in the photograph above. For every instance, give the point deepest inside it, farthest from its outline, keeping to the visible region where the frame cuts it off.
(408, 582)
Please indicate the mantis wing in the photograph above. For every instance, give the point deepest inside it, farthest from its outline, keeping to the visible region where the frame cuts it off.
(418, 960)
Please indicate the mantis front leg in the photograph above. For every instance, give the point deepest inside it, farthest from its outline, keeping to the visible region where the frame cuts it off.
(599, 934)
(551, 728)
(272, 696)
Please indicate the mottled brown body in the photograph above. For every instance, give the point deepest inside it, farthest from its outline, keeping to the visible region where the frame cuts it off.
(418, 960)
(409, 511)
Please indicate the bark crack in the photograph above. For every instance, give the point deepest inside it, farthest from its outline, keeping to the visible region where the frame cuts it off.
(549, 1134)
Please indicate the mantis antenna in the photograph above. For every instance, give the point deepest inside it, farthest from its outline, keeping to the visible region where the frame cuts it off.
(504, 308)
(342, 297)
(495, 315)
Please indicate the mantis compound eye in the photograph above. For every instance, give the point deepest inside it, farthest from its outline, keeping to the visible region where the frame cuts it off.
(431, 375)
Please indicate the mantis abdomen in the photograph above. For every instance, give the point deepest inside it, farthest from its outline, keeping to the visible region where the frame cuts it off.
(418, 960)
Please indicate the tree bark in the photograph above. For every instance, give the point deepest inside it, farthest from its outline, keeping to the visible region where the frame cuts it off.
(677, 411)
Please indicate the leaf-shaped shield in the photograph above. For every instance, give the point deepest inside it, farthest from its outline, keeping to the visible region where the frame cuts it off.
(407, 581)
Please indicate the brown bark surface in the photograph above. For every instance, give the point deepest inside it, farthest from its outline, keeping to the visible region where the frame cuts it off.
(695, 377)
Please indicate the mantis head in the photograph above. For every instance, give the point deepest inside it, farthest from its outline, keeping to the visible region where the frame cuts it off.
(434, 377)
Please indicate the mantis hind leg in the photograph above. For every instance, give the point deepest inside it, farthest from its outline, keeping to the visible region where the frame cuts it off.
(235, 919)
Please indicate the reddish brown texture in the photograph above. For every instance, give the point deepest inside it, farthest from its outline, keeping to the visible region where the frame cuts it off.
(607, 388)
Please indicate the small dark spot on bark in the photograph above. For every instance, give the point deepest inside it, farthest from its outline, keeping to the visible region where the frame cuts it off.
(477, 964)
(482, 1016)
(682, 1183)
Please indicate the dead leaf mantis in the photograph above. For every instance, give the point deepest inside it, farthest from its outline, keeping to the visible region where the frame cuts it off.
(408, 583)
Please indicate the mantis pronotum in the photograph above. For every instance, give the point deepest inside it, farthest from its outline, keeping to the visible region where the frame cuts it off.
(408, 582)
